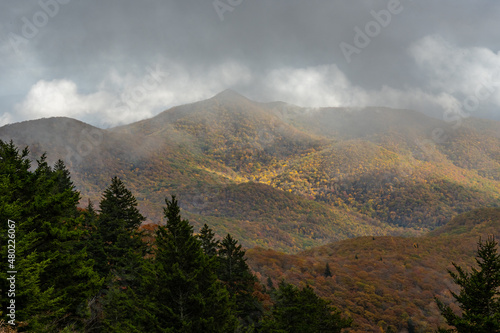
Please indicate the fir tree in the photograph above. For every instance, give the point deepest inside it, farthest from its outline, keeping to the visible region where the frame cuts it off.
(89, 224)
(208, 242)
(327, 273)
(52, 237)
(187, 297)
(270, 283)
(56, 277)
(478, 297)
(120, 251)
(14, 195)
(302, 311)
(120, 243)
(239, 280)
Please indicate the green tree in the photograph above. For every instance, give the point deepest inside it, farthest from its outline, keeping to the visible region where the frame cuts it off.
(270, 283)
(208, 242)
(55, 276)
(239, 281)
(478, 297)
(51, 237)
(186, 295)
(302, 311)
(14, 195)
(89, 224)
(120, 252)
(328, 272)
(120, 242)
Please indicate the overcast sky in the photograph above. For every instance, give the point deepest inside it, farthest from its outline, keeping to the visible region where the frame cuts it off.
(110, 62)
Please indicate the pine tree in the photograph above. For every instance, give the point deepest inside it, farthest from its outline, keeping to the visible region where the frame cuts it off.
(119, 251)
(54, 238)
(208, 242)
(120, 243)
(239, 280)
(187, 296)
(327, 273)
(270, 283)
(55, 277)
(14, 194)
(89, 224)
(478, 297)
(302, 311)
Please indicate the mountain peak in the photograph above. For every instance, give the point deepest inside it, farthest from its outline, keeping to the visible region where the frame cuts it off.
(230, 95)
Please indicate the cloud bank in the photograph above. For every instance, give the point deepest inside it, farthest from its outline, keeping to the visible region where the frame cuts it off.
(115, 62)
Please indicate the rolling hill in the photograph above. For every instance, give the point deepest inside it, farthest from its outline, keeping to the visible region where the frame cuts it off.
(385, 283)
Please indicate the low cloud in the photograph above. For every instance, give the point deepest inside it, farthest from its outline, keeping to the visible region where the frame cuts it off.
(448, 76)
(125, 98)
(467, 74)
(315, 87)
(101, 53)
(328, 86)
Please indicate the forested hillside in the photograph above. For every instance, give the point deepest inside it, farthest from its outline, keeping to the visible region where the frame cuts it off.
(336, 172)
(101, 269)
(385, 283)
(88, 270)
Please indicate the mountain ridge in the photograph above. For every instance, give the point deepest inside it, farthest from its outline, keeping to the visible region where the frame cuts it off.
(357, 164)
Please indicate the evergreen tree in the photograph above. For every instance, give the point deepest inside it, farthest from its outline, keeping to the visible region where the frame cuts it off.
(302, 311)
(208, 242)
(89, 224)
(239, 280)
(55, 277)
(478, 297)
(14, 195)
(270, 283)
(187, 297)
(327, 273)
(120, 247)
(52, 237)
(120, 251)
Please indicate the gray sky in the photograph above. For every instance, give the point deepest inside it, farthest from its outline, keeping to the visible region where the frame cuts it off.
(110, 62)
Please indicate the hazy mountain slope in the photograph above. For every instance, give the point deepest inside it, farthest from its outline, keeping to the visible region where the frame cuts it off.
(384, 281)
(472, 144)
(152, 166)
(164, 162)
(355, 163)
(351, 123)
(230, 129)
(390, 164)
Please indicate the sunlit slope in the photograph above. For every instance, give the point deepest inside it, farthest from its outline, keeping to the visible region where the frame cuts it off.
(394, 187)
(366, 163)
(392, 164)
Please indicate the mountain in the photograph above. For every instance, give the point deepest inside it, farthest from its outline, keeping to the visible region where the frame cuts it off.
(282, 176)
(386, 284)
